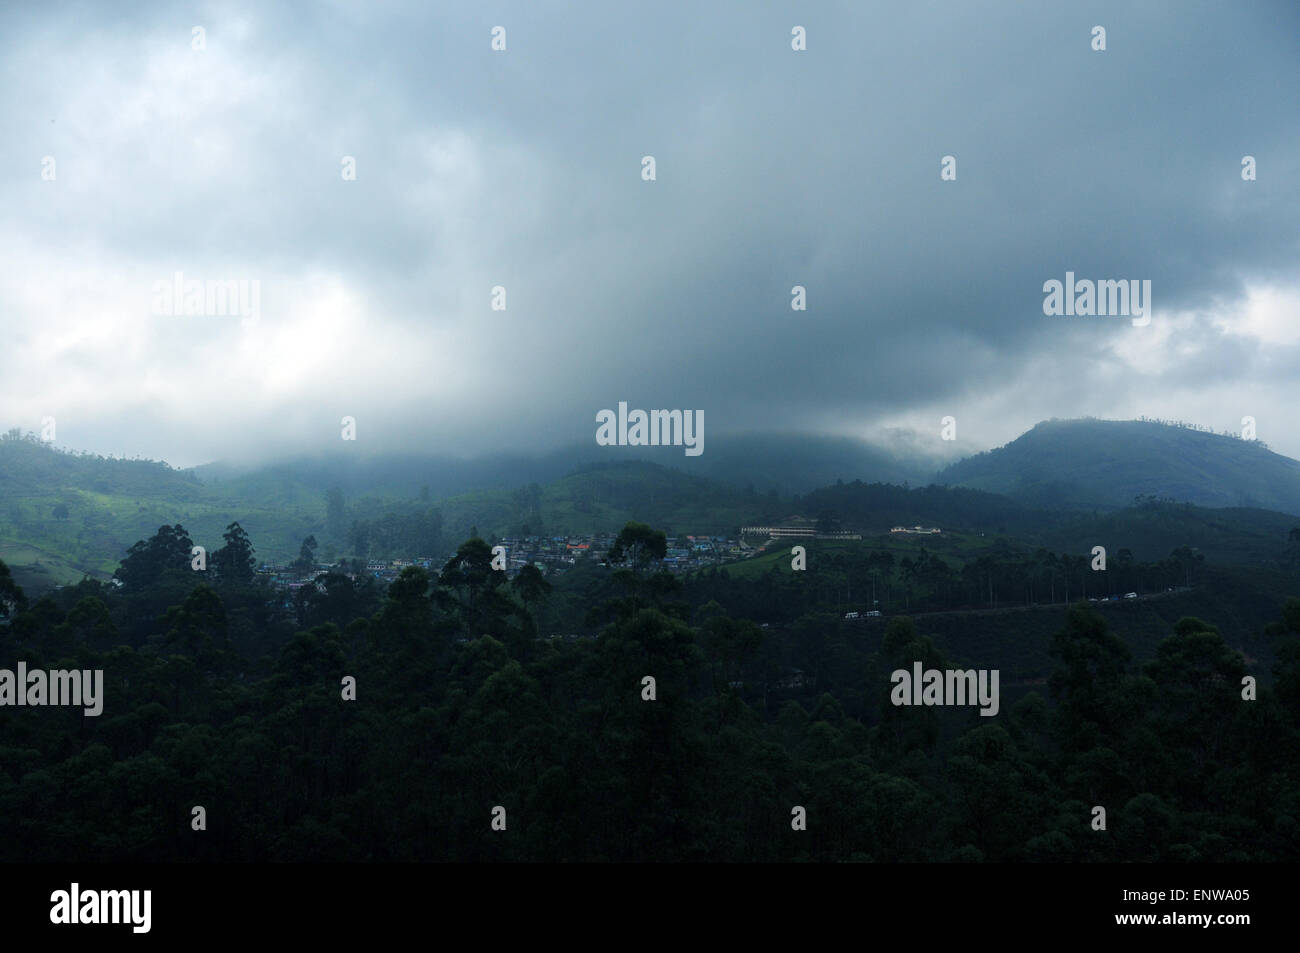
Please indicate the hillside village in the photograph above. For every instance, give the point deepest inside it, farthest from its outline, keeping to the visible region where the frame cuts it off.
(550, 554)
(556, 554)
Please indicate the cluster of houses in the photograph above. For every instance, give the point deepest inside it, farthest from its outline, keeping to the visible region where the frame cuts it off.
(550, 554)
(558, 553)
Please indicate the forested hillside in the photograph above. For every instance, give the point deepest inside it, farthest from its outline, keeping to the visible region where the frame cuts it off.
(218, 696)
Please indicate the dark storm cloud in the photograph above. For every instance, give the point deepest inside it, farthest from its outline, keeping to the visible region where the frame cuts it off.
(521, 168)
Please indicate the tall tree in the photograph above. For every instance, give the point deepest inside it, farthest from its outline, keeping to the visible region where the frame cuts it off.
(307, 554)
(531, 584)
(234, 562)
(146, 562)
(638, 545)
(469, 573)
(1092, 686)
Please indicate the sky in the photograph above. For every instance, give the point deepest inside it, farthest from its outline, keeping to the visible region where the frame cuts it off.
(136, 147)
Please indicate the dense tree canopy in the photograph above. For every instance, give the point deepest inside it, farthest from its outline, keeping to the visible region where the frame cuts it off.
(676, 727)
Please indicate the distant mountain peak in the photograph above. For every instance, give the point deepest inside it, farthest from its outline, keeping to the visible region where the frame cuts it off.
(1094, 463)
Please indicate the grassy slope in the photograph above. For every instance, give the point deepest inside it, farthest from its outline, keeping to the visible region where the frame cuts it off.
(956, 549)
(113, 503)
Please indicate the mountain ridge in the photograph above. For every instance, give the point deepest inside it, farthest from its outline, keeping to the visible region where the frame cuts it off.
(1088, 463)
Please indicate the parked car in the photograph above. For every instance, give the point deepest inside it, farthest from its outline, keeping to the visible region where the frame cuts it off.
(850, 615)
(1130, 595)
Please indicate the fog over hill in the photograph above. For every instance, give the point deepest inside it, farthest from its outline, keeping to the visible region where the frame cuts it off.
(787, 463)
(1082, 463)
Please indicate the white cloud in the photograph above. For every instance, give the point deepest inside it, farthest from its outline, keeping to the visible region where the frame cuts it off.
(1270, 315)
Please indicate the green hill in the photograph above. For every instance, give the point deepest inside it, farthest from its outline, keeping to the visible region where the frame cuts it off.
(1107, 463)
(64, 515)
